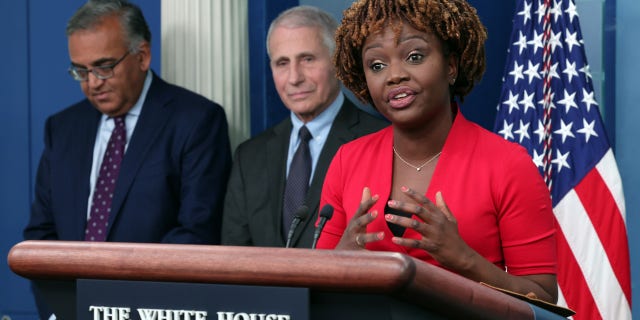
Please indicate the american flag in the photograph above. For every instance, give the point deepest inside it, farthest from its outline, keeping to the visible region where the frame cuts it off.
(547, 105)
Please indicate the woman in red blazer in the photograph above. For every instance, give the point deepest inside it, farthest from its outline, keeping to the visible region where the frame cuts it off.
(434, 185)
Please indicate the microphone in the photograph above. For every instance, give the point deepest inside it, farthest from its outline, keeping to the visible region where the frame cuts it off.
(325, 214)
(301, 215)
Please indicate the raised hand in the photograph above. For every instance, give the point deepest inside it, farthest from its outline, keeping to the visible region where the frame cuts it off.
(355, 235)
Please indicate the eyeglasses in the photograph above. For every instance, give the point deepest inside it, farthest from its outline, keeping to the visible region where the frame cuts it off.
(101, 72)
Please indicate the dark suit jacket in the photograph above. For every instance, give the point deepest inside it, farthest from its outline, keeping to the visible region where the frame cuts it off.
(253, 205)
(172, 180)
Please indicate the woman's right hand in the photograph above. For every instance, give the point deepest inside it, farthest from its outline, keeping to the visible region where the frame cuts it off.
(355, 236)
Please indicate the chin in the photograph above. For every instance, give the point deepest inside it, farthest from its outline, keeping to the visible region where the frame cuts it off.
(304, 110)
(108, 110)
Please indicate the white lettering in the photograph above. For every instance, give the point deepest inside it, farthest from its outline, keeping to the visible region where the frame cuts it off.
(96, 312)
(147, 314)
(109, 313)
(125, 314)
(225, 315)
(241, 316)
(165, 315)
(162, 314)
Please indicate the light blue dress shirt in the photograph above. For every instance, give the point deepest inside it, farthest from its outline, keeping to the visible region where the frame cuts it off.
(319, 128)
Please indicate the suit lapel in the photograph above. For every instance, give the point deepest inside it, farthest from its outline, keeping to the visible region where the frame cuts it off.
(151, 122)
(340, 134)
(83, 158)
(277, 148)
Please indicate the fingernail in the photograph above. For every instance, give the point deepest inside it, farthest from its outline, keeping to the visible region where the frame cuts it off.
(404, 189)
(374, 213)
(380, 235)
(375, 197)
(391, 203)
(388, 217)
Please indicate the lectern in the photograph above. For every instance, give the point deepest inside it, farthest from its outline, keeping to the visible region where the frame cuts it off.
(327, 284)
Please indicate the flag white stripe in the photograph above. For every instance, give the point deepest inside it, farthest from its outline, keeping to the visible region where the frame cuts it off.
(591, 256)
(608, 169)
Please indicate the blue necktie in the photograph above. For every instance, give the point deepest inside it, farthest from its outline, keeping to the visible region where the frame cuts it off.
(298, 180)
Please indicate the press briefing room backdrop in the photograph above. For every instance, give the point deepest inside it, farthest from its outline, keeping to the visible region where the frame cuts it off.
(34, 84)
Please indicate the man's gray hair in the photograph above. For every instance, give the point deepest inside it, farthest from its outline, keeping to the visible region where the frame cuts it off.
(132, 21)
(307, 16)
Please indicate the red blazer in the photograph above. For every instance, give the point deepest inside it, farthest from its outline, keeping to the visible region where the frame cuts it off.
(491, 186)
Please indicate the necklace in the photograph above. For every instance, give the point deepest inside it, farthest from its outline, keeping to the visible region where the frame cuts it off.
(418, 168)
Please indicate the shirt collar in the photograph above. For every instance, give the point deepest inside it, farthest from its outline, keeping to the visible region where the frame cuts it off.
(137, 107)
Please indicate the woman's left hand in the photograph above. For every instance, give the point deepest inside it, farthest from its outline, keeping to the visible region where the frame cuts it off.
(438, 229)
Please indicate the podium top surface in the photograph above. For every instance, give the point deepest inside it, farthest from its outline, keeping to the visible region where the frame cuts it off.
(324, 270)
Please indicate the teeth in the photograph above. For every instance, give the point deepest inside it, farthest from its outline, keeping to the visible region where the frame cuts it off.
(400, 96)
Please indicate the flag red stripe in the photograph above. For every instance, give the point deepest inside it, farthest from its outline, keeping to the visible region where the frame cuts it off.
(607, 221)
(573, 284)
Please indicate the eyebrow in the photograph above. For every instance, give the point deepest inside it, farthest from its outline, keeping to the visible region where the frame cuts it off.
(279, 59)
(98, 62)
(373, 46)
(305, 54)
(296, 57)
(401, 40)
(414, 36)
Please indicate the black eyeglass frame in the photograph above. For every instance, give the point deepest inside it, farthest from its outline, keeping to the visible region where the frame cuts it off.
(100, 72)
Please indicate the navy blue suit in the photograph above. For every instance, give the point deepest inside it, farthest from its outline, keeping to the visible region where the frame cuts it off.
(172, 180)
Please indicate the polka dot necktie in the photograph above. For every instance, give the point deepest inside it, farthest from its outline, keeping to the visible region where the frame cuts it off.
(298, 180)
(103, 193)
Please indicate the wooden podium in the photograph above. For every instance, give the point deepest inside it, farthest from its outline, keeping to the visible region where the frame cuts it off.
(356, 281)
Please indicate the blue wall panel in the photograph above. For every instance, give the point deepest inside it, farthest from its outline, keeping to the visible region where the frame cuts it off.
(627, 123)
(14, 143)
(480, 105)
(51, 87)
(266, 107)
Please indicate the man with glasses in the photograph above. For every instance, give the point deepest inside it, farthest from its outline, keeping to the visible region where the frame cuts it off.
(138, 160)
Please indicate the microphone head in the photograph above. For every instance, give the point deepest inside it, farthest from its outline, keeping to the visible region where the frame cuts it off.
(326, 212)
(302, 213)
